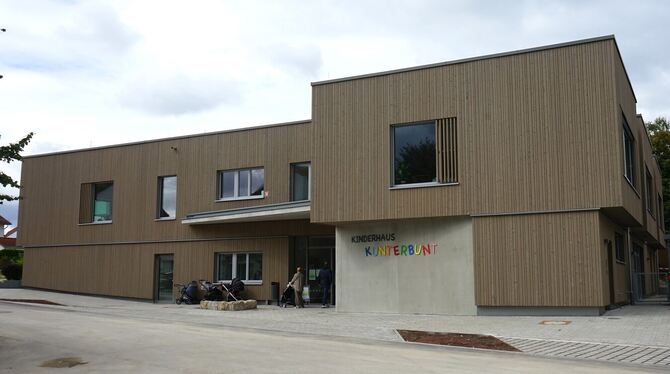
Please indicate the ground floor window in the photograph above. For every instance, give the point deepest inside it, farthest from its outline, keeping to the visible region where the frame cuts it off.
(619, 248)
(246, 266)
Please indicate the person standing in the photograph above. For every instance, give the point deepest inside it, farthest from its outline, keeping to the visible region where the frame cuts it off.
(325, 279)
(298, 282)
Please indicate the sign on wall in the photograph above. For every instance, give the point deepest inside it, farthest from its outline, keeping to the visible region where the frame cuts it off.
(386, 245)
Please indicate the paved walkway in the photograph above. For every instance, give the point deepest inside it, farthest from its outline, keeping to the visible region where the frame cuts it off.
(632, 334)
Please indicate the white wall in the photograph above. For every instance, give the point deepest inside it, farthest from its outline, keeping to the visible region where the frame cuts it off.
(439, 283)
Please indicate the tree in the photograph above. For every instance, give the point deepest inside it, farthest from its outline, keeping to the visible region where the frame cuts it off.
(9, 153)
(659, 131)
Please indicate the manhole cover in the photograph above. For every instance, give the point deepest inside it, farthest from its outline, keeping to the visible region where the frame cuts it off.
(63, 362)
(555, 322)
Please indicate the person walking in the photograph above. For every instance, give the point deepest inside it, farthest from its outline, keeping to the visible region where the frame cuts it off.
(298, 282)
(325, 279)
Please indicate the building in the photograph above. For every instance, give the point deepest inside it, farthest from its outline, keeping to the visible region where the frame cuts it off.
(516, 183)
(7, 240)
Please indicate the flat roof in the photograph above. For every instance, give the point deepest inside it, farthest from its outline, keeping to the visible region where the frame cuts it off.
(484, 57)
(270, 212)
(250, 128)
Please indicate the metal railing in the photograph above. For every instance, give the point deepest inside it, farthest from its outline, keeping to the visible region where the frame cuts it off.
(650, 287)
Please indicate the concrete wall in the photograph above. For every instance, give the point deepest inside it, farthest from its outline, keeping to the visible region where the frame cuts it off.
(439, 282)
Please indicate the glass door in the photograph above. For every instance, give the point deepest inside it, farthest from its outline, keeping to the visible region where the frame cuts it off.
(163, 271)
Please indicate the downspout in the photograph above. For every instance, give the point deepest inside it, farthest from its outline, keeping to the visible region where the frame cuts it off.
(629, 244)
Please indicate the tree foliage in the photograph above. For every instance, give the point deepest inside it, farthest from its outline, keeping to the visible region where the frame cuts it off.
(9, 153)
(659, 131)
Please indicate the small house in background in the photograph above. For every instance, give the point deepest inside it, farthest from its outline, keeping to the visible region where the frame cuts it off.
(6, 241)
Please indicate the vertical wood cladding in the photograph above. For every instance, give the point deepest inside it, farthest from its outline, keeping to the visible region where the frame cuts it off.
(447, 150)
(539, 260)
(128, 270)
(535, 132)
(52, 185)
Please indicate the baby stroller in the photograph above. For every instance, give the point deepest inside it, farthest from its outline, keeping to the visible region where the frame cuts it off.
(213, 291)
(288, 297)
(188, 293)
(233, 289)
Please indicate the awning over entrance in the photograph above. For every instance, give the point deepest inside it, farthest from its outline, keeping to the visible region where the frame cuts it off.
(271, 212)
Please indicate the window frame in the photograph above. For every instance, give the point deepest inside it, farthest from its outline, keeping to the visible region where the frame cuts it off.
(619, 248)
(309, 180)
(236, 191)
(256, 282)
(93, 188)
(661, 212)
(628, 137)
(649, 191)
(392, 183)
(159, 205)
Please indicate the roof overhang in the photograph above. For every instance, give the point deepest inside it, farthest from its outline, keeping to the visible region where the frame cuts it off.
(272, 212)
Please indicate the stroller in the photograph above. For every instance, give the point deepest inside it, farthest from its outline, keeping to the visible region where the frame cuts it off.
(213, 291)
(288, 297)
(233, 289)
(188, 293)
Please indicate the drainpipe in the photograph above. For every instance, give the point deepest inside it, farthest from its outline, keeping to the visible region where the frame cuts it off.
(630, 264)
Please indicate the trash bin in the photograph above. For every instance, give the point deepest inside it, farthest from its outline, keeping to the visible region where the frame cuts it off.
(274, 291)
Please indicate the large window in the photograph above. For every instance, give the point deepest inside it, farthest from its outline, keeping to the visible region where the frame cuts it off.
(102, 201)
(95, 202)
(414, 154)
(628, 153)
(246, 266)
(619, 248)
(649, 182)
(424, 153)
(241, 184)
(167, 197)
(300, 173)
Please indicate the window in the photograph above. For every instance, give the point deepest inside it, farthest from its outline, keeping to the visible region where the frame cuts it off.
(102, 202)
(167, 197)
(628, 153)
(300, 174)
(661, 211)
(241, 184)
(246, 266)
(95, 202)
(619, 248)
(649, 182)
(424, 153)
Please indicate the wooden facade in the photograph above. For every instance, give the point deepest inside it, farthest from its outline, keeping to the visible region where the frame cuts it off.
(529, 145)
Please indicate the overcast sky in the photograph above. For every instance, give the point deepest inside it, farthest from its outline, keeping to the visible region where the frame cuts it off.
(92, 73)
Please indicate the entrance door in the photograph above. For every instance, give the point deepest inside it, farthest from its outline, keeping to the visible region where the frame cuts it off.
(316, 258)
(163, 278)
(310, 253)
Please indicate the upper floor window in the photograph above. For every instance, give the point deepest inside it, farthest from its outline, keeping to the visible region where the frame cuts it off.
(649, 181)
(241, 184)
(661, 216)
(95, 202)
(300, 173)
(167, 197)
(424, 153)
(628, 153)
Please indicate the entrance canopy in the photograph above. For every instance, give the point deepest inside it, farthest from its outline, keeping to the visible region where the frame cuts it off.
(271, 212)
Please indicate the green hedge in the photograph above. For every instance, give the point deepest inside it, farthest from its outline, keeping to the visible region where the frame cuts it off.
(11, 263)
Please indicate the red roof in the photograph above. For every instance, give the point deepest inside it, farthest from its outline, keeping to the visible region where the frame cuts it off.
(7, 242)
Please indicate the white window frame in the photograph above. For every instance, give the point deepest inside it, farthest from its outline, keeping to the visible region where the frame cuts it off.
(309, 179)
(234, 269)
(236, 185)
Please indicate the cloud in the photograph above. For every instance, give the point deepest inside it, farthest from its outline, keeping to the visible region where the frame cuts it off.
(179, 94)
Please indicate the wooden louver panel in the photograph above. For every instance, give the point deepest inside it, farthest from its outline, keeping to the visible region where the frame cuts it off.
(86, 203)
(447, 150)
